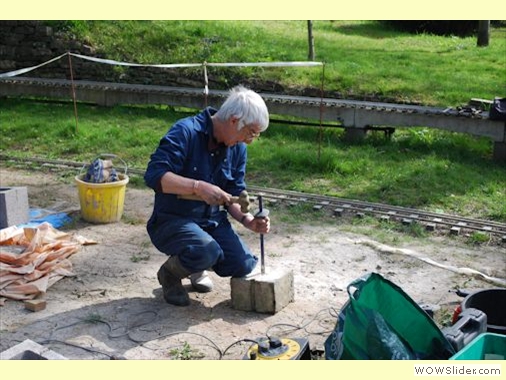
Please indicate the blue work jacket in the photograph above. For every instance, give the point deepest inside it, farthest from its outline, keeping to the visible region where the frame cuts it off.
(185, 150)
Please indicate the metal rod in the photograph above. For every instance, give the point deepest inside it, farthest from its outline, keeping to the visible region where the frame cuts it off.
(262, 255)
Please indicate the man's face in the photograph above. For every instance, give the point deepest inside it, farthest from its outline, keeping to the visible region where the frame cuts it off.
(250, 133)
(246, 134)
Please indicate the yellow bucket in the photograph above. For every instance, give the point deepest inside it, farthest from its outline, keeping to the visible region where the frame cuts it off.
(102, 202)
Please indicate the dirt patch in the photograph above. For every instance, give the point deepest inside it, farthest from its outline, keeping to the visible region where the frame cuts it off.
(113, 305)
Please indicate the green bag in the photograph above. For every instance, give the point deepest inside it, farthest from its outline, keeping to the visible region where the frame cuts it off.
(380, 321)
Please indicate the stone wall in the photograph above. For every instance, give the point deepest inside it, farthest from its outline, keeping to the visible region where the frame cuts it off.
(26, 44)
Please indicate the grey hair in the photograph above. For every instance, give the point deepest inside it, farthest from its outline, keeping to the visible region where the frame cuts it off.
(247, 106)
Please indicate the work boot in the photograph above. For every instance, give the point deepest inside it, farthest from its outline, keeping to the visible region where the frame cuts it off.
(169, 276)
(201, 282)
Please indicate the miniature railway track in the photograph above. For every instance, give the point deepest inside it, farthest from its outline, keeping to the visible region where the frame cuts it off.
(49, 87)
(407, 216)
(355, 116)
(339, 207)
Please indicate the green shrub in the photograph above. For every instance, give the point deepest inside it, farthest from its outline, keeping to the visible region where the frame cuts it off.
(461, 28)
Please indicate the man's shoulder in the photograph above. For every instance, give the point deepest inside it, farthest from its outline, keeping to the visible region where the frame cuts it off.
(239, 148)
(187, 125)
(197, 122)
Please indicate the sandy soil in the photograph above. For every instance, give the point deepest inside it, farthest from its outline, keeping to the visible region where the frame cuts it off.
(113, 306)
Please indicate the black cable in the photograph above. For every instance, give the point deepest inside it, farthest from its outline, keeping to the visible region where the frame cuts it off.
(127, 333)
(127, 329)
(303, 326)
(214, 345)
(221, 353)
(237, 342)
(110, 356)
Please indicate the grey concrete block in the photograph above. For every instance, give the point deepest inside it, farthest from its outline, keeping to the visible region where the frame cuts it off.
(273, 291)
(13, 206)
(263, 293)
(430, 227)
(407, 221)
(241, 293)
(384, 218)
(30, 350)
(455, 231)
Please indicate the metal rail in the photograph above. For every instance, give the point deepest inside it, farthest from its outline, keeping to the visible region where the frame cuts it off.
(337, 206)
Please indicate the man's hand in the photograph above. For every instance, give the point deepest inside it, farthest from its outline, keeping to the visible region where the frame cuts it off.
(258, 225)
(211, 194)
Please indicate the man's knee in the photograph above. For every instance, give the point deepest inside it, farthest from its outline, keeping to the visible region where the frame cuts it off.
(246, 267)
(239, 267)
(199, 258)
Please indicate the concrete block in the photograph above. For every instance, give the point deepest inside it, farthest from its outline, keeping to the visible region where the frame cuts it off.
(407, 221)
(455, 231)
(13, 206)
(242, 293)
(30, 350)
(263, 293)
(430, 227)
(35, 305)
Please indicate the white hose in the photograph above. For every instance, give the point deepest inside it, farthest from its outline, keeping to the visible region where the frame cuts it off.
(408, 252)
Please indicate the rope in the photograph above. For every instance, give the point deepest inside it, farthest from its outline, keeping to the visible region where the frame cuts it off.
(164, 65)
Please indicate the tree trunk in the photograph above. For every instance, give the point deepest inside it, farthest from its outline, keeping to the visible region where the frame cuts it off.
(311, 55)
(483, 32)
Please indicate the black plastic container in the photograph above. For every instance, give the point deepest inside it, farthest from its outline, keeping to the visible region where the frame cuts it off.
(493, 303)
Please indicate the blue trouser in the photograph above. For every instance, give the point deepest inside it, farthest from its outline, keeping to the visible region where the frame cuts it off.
(203, 245)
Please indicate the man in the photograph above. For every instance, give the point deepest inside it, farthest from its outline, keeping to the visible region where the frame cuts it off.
(204, 157)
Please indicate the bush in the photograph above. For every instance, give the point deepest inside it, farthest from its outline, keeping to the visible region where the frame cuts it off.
(461, 28)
